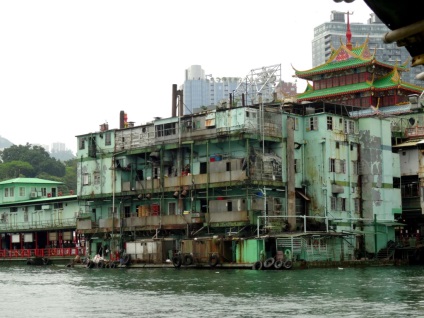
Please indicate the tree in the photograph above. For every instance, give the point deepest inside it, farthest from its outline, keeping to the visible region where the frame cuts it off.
(36, 156)
(70, 178)
(15, 169)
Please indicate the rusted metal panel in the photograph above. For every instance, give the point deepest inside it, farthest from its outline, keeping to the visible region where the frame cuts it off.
(150, 251)
(202, 248)
(233, 216)
(227, 205)
(164, 220)
(107, 223)
(237, 175)
(84, 224)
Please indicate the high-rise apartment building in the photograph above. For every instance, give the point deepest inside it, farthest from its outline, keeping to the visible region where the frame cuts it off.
(329, 34)
(58, 146)
(202, 91)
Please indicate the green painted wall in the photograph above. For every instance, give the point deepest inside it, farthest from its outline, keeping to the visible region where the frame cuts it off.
(248, 251)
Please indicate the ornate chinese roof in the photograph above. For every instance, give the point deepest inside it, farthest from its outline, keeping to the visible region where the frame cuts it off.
(343, 58)
(390, 81)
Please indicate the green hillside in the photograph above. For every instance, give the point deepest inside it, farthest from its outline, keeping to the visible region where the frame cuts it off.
(4, 143)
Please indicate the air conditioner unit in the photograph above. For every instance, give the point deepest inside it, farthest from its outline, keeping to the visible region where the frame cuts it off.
(33, 195)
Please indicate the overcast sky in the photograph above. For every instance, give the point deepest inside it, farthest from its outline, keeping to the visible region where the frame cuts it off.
(68, 66)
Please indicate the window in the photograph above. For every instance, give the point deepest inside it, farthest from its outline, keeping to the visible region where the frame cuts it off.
(340, 166)
(337, 145)
(58, 205)
(332, 165)
(342, 204)
(337, 165)
(229, 206)
(6, 192)
(96, 177)
(43, 192)
(86, 179)
(396, 183)
(21, 191)
(37, 207)
(26, 217)
(92, 147)
(296, 124)
(14, 209)
(127, 211)
(203, 167)
(81, 143)
(329, 123)
(172, 208)
(313, 123)
(333, 203)
(165, 130)
(354, 167)
(11, 192)
(297, 166)
(108, 139)
(349, 127)
(228, 166)
(356, 204)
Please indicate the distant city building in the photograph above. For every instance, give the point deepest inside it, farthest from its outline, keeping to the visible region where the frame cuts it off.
(329, 34)
(46, 147)
(58, 146)
(202, 91)
(286, 89)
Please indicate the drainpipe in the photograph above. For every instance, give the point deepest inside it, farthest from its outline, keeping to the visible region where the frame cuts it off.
(113, 196)
(324, 184)
(207, 183)
(349, 182)
(375, 234)
(192, 177)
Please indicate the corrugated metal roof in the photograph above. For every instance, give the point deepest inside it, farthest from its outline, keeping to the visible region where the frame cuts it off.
(384, 111)
(29, 180)
(408, 143)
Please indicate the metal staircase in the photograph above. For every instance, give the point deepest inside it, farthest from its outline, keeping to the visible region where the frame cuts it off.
(388, 252)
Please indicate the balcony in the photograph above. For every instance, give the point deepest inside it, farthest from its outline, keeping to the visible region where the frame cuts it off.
(228, 217)
(414, 132)
(179, 221)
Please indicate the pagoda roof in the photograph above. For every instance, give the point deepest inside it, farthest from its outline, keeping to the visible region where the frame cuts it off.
(390, 81)
(343, 58)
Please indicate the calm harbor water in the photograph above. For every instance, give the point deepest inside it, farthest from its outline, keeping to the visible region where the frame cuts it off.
(31, 291)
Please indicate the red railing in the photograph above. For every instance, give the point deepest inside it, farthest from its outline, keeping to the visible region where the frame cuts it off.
(42, 252)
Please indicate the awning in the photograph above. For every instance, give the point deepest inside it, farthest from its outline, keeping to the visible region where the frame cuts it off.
(411, 143)
(391, 223)
(303, 195)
